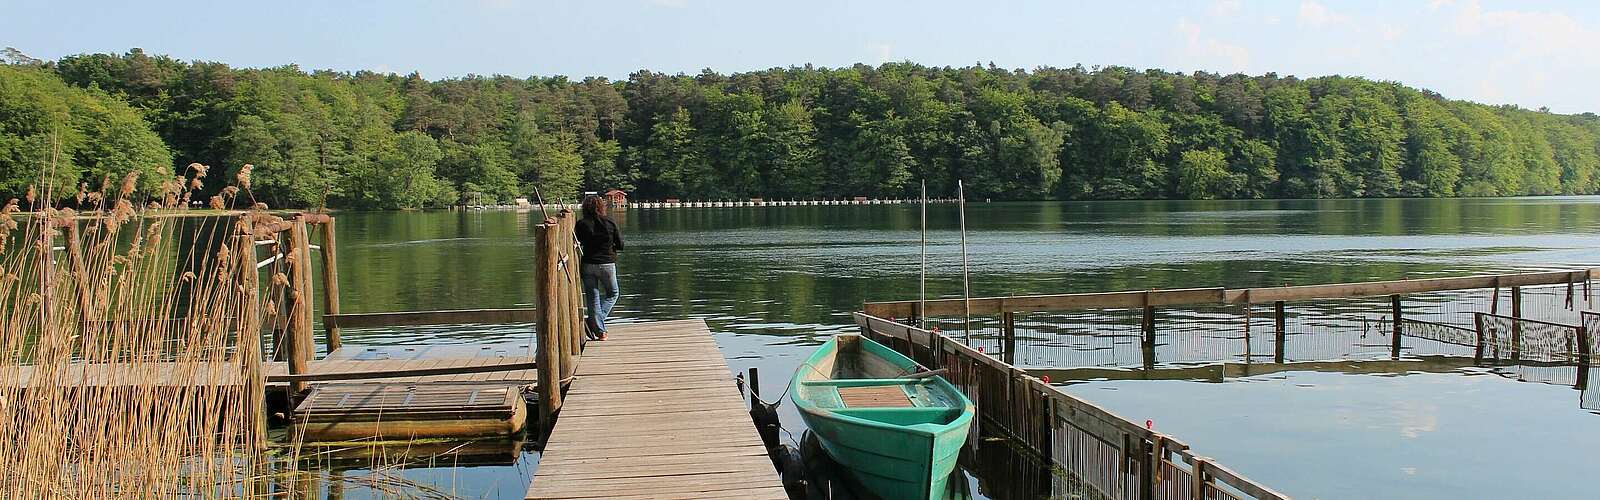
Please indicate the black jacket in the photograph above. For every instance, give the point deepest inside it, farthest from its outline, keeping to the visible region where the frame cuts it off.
(600, 239)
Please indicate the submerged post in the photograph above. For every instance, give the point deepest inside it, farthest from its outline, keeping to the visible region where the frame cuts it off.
(330, 284)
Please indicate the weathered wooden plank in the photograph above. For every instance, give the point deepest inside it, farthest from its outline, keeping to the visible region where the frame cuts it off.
(675, 424)
(418, 318)
(457, 370)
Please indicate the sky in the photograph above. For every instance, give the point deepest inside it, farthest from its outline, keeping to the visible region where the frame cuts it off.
(1532, 53)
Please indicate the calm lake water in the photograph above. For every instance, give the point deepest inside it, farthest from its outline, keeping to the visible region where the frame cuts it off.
(774, 282)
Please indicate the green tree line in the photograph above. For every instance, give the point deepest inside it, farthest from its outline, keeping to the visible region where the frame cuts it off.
(369, 140)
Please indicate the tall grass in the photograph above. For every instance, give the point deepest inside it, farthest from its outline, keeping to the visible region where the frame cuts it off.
(130, 361)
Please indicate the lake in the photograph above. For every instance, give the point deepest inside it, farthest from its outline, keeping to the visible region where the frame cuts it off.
(773, 282)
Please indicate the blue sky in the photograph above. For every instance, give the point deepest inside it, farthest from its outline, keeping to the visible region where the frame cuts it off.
(1532, 52)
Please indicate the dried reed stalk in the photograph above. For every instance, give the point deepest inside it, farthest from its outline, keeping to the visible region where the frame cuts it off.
(130, 353)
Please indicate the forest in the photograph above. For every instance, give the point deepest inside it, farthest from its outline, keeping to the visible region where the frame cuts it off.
(367, 140)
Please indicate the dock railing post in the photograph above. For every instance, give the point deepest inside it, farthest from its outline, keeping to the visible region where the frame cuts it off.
(547, 275)
(1394, 304)
(330, 285)
(297, 337)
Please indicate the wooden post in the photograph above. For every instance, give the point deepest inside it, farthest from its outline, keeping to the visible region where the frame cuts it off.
(297, 337)
(1008, 331)
(1583, 347)
(330, 283)
(1477, 323)
(1147, 327)
(249, 326)
(1516, 323)
(571, 319)
(546, 278)
(1394, 304)
(1279, 331)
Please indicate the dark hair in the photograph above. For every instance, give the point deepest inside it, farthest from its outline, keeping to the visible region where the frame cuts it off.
(594, 207)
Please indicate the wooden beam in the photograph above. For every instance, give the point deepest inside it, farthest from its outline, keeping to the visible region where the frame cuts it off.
(411, 372)
(418, 318)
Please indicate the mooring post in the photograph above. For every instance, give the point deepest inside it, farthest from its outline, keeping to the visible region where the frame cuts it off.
(755, 383)
(330, 285)
(1279, 332)
(297, 337)
(1394, 303)
(547, 284)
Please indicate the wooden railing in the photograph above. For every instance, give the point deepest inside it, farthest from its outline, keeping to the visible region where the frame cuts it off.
(1105, 455)
(557, 312)
(1217, 296)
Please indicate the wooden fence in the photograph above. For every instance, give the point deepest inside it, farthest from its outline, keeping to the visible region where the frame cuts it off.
(1247, 323)
(557, 313)
(1101, 454)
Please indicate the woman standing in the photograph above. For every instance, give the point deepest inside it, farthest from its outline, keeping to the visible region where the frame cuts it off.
(601, 241)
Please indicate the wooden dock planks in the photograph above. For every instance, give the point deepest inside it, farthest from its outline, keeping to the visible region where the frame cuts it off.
(654, 414)
(334, 367)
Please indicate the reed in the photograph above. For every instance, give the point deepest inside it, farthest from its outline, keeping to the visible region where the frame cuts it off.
(130, 352)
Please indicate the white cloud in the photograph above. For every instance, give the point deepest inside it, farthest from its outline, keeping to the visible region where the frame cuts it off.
(1315, 14)
(1530, 33)
(673, 4)
(1209, 52)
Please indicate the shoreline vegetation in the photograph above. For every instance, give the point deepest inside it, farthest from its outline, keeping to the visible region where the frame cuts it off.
(383, 141)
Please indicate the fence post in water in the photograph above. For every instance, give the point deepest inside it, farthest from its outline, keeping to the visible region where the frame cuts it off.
(1008, 331)
(1147, 329)
(1477, 324)
(546, 280)
(1278, 332)
(330, 284)
(1516, 323)
(1394, 303)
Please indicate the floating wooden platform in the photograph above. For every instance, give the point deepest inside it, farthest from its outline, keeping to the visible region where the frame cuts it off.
(334, 412)
(654, 413)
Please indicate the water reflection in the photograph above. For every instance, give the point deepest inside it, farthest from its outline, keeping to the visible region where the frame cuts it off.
(773, 282)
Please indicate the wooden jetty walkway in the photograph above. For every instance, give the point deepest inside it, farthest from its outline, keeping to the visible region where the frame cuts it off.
(655, 413)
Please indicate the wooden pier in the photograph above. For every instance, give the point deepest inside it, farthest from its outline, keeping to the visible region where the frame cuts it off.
(655, 413)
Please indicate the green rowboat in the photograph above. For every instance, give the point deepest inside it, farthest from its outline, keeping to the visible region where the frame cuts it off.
(897, 428)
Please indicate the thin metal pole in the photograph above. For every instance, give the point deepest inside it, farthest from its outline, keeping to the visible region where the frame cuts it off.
(966, 279)
(922, 293)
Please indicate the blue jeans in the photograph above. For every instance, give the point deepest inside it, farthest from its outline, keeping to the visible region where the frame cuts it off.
(600, 292)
